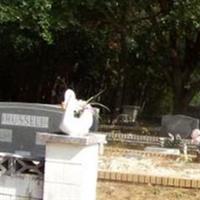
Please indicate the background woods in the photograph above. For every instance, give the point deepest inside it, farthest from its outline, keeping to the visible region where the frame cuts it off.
(143, 53)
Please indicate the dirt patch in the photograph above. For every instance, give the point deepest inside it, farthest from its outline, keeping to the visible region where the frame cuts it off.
(125, 191)
(129, 162)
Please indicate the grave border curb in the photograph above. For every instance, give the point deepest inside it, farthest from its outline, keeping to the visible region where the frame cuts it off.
(148, 179)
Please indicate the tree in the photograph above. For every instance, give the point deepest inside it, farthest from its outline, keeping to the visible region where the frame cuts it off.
(136, 49)
(174, 45)
(44, 40)
(116, 21)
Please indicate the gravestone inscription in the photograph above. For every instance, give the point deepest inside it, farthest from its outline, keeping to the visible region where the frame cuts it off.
(178, 124)
(19, 123)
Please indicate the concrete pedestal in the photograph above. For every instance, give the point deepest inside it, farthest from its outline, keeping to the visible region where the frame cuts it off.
(70, 166)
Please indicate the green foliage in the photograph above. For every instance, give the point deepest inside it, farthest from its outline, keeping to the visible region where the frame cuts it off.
(195, 100)
(173, 141)
(31, 15)
(144, 52)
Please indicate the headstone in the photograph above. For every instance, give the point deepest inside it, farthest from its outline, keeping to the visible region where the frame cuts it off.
(131, 111)
(19, 123)
(178, 124)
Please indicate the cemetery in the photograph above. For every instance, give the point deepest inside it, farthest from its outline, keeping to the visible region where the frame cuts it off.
(38, 162)
(162, 145)
(99, 100)
(48, 159)
(145, 159)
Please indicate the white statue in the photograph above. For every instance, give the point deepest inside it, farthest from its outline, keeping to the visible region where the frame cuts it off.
(78, 116)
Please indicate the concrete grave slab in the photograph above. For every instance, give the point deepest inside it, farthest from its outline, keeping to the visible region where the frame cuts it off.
(169, 151)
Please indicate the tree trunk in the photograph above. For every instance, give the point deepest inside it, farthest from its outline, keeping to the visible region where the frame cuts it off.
(181, 98)
(180, 104)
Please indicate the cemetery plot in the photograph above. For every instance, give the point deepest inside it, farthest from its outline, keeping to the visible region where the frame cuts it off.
(144, 163)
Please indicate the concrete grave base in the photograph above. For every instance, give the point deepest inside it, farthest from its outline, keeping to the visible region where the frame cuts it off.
(71, 165)
(171, 151)
(21, 187)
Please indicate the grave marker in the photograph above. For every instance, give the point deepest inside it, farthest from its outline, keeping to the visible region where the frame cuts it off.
(19, 123)
(178, 124)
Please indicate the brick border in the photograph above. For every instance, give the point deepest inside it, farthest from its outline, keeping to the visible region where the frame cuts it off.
(148, 179)
(145, 179)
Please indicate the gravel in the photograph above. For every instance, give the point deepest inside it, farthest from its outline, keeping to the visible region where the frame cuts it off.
(157, 166)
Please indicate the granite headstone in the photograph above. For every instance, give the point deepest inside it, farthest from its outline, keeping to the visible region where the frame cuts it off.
(178, 124)
(19, 123)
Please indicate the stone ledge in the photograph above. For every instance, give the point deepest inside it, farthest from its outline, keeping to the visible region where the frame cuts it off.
(162, 150)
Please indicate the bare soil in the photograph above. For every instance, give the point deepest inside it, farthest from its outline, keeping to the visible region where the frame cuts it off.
(131, 191)
(115, 159)
(126, 191)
